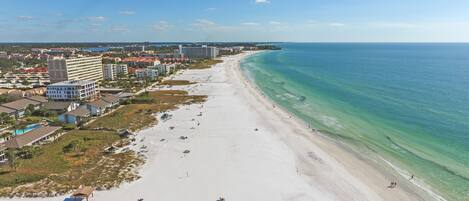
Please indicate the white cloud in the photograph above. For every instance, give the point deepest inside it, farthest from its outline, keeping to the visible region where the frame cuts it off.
(336, 24)
(161, 26)
(24, 17)
(120, 29)
(203, 23)
(127, 12)
(211, 9)
(275, 23)
(96, 18)
(262, 1)
(250, 24)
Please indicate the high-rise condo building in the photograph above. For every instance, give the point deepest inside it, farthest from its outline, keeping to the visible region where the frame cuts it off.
(204, 52)
(75, 68)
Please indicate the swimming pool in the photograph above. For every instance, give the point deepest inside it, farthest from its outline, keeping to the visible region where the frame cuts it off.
(28, 128)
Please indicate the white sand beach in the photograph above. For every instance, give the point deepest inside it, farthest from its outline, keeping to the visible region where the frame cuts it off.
(241, 148)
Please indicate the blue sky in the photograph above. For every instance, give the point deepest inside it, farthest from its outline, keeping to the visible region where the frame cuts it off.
(234, 20)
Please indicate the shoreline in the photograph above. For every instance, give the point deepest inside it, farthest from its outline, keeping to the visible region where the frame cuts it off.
(419, 188)
(241, 149)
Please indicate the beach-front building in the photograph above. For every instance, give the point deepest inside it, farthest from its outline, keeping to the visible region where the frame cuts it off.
(203, 52)
(74, 90)
(60, 107)
(75, 68)
(32, 137)
(76, 116)
(112, 71)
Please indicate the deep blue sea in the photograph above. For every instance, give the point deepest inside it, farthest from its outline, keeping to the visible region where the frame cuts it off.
(408, 103)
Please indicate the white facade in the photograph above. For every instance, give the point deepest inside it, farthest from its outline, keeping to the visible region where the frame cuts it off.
(111, 71)
(204, 52)
(76, 68)
(146, 73)
(72, 91)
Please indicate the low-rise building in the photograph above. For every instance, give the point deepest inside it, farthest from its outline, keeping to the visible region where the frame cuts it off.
(111, 99)
(98, 107)
(20, 106)
(32, 137)
(112, 71)
(24, 80)
(76, 116)
(8, 111)
(146, 73)
(60, 107)
(75, 90)
(40, 99)
(141, 62)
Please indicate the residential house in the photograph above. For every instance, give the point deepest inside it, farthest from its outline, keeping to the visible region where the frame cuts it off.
(75, 116)
(111, 99)
(97, 108)
(33, 137)
(60, 107)
(40, 99)
(21, 105)
(8, 111)
(123, 96)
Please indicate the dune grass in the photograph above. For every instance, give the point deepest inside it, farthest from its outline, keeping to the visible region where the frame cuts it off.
(137, 116)
(176, 82)
(74, 159)
(203, 63)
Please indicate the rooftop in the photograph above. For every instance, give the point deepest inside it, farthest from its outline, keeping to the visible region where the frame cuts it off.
(110, 98)
(57, 105)
(99, 103)
(80, 112)
(6, 110)
(20, 104)
(40, 99)
(31, 137)
(73, 83)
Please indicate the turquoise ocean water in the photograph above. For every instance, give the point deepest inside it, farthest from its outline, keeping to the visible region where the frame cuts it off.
(408, 103)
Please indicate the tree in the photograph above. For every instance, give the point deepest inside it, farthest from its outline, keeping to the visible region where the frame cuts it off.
(29, 110)
(5, 118)
(25, 82)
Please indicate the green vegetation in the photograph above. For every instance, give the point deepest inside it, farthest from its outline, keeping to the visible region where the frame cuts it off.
(176, 82)
(140, 114)
(77, 158)
(7, 65)
(203, 64)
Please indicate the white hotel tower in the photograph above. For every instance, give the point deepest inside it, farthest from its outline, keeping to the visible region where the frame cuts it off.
(75, 68)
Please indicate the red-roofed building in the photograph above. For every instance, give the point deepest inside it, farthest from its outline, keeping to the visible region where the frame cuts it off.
(34, 70)
(141, 61)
